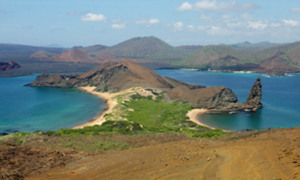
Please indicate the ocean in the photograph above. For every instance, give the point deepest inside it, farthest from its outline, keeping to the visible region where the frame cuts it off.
(28, 109)
(281, 98)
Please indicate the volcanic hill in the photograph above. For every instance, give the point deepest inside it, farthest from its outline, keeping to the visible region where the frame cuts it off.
(113, 77)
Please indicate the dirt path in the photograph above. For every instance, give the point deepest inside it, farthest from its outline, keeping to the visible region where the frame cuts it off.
(272, 155)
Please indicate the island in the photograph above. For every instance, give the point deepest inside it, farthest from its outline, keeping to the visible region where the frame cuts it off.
(127, 76)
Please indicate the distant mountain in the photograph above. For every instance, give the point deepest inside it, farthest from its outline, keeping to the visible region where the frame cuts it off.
(146, 48)
(18, 52)
(74, 56)
(93, 50)
(54, 46)
(280, 63)
(191, 47)
(155, 53)
(280, 58)
(253, 46)
(218, 55)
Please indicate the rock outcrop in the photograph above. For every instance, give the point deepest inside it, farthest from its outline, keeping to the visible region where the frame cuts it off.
(254, 97)
(113, 77)
(9, 66)
(217, 98)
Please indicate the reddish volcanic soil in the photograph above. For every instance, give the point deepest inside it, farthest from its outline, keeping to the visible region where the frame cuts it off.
(274, 155)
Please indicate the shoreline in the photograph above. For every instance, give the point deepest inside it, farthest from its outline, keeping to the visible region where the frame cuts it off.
(193, 116)
(109, 103)
(195, 113)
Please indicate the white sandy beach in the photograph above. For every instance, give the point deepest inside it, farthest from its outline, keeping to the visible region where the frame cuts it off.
(193, 115)
(111, 102)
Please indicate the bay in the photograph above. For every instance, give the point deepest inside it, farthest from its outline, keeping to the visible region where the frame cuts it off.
(28, 109)
(281, 98)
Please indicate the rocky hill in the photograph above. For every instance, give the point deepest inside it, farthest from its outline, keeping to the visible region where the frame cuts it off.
(113, 77)
(9, 66)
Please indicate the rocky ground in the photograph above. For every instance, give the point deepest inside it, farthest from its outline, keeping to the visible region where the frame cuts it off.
(274, 154)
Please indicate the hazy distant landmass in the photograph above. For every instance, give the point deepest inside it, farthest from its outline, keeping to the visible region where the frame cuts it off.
(264, 57)
(9, 66)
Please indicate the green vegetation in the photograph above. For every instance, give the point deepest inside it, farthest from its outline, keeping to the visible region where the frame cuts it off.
(161, 116)
(108, 127)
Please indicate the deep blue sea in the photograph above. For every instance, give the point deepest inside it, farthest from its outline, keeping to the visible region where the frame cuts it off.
(28, 109)
(281, 98)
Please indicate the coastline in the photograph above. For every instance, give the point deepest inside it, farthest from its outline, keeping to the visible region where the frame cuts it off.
(110, 103)
(193, 116)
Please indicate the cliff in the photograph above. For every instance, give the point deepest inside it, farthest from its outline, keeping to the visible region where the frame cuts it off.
(113, 77)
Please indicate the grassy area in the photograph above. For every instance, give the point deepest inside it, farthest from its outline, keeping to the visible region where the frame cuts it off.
(161, 116)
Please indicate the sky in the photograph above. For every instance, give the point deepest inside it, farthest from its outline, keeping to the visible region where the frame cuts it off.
(178, 22)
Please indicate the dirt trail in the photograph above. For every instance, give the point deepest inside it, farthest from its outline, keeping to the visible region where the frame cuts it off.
(272, 155)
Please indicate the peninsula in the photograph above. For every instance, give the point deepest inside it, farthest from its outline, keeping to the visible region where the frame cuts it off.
(122, 78)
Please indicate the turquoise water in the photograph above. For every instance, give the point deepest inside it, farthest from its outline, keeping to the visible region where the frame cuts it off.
(281, 98)
(27, 109)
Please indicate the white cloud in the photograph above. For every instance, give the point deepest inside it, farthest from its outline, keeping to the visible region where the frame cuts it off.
(235, 25)
(185, 6)
(148, 22)
(275, 25)
(191, 27)
(215, 30)
(246, 16)
(214, 5)
(297, 9)
(178, 26)
(201, 28)
(205, 5)
(257, 25)
(118, 26)
(93, 17)
(205, 18)
(290, 22)
(153, 21)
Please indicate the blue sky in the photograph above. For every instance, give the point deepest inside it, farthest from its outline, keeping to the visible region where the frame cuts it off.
(178, 22)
